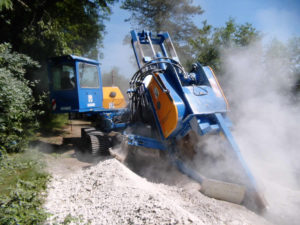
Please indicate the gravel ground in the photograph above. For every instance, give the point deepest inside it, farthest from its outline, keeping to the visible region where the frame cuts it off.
(110, 193)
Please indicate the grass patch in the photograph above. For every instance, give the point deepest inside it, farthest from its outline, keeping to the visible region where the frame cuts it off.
(54, 123)
(22, 184)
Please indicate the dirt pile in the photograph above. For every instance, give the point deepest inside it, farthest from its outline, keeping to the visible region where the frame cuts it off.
(110, 193)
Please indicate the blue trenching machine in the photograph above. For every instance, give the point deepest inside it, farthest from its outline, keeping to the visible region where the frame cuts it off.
(175, 107)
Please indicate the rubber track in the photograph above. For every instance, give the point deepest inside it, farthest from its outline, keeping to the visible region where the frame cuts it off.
(98, 143)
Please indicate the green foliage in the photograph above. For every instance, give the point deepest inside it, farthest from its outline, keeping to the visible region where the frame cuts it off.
(5, 4)
(42, 29)
(54, 123)
(21, 182)
(17, 118)
(204, 48)
(207, 45)
(69, 219)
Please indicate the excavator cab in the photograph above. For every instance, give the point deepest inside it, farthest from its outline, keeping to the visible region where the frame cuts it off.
(76, 86)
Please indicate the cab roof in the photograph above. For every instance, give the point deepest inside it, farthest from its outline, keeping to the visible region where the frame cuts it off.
(73, 58)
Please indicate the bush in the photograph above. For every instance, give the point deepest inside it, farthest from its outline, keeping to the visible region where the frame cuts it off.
(53, 123)
(17, 117)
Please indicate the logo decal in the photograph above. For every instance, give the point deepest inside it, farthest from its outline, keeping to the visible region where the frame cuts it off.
(90, 98)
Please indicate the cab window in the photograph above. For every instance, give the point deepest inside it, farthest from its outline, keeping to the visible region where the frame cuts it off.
(63, 77)
(88, 76)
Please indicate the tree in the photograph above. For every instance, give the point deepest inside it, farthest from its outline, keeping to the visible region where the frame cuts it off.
(174, 16)
(294, 59)
(209, 41)
(41, 29)
(46, 28)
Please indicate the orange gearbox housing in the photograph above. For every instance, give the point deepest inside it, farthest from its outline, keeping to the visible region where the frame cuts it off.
(113, 98)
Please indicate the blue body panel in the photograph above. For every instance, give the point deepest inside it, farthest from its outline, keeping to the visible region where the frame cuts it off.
(66, 101)
(90, 99)
(203, 100)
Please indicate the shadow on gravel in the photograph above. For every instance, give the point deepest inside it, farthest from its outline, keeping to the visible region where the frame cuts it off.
(155, 168)
(71, 145)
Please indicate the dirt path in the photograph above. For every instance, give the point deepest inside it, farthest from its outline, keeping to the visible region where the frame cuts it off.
(62, 153)
(104, 191)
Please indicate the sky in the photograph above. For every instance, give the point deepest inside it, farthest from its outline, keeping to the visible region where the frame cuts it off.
(274, 18)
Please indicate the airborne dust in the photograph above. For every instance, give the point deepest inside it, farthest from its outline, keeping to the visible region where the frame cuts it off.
(266, 119)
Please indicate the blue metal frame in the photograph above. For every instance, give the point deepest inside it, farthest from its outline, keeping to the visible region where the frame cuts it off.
(142, 141)
(225, 130)
(143, 38)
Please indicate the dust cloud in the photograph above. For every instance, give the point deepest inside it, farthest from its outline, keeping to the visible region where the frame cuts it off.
(266, 117)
